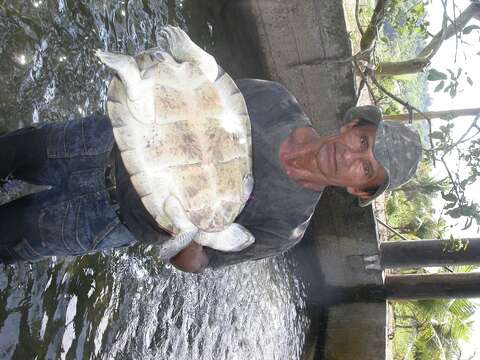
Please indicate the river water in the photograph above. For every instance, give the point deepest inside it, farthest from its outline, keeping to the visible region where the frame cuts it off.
(125, 304)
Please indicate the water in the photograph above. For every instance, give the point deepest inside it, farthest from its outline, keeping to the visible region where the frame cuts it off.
(126, 304)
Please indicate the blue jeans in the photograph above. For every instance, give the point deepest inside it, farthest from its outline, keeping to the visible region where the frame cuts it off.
(75, 216)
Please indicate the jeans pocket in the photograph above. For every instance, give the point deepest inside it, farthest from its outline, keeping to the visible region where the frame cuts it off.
(57, 224)
(79, 226)
(118, 236)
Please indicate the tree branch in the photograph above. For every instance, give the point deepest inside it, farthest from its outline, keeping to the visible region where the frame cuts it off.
(359, 26)
(371, 32)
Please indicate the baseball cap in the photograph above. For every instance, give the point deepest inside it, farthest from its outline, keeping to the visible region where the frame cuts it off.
(397, 148)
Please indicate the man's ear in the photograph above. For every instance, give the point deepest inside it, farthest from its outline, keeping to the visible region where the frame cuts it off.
(349, 125)
(358, 192)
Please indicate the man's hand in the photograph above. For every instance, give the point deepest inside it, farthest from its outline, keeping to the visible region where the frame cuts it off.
(191, 259)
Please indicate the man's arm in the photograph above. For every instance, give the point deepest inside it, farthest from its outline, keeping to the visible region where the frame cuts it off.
(191, 259)
(195, 258)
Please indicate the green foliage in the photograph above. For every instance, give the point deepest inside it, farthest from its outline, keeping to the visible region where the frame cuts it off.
(454, 80)
(407, 17)
(399, 42)
(432, 329)
(470, 28)
(402, 37)
(428, 330)
(435, 75)
(409, 208)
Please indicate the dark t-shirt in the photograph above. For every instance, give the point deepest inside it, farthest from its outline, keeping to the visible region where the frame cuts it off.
(278, 211)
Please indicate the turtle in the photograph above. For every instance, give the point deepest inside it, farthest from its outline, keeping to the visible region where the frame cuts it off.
(183, 131)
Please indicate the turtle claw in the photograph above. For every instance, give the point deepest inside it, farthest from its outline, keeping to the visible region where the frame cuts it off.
(178, 43)
(113, 60)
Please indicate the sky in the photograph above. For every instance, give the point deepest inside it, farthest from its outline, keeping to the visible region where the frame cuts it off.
(468, 59)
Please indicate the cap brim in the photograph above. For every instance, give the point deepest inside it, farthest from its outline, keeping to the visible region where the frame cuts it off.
(380, 191)
(380, 152)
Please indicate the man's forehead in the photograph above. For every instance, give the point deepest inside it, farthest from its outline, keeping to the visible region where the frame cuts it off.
(371, 130)
(365, 126)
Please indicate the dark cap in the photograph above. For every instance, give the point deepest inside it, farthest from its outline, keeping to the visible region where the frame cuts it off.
(397, 148)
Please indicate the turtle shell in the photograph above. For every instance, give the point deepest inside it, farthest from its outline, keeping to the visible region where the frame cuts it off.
(187, 137)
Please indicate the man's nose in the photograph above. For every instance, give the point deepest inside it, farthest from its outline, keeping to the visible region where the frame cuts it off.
(352, 155)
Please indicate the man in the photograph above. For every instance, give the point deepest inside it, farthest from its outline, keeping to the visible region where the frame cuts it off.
(293, 164)
(92, 205)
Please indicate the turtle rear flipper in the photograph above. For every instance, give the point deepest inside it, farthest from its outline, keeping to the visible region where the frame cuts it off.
(183, 49)
(186, 231)
(234, 238)
(126, 68)
(139, 103)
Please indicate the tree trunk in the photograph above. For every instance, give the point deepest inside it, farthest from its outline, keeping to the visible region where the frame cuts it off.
(423, 253)
(447, 114)
(423, 59)
(433, 286)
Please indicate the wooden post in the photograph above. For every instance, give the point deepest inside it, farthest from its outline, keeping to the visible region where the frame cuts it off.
(433, 286)
(422, 253)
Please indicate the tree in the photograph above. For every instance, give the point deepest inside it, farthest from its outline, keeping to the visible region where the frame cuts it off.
(433, 329)
(444, 144)
(424, 57)
(422, 60)
(426, 329)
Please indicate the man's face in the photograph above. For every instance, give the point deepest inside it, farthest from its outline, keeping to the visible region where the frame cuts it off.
(345, 159)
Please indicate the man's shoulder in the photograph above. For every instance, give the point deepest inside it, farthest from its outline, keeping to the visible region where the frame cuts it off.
(248, 86)
(271, 100)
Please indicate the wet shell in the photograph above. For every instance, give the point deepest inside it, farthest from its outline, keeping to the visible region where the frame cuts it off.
(188, 137)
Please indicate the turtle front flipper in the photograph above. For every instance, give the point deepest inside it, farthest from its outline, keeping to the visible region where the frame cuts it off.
(233, 238)
(186, 230)
(183, 49)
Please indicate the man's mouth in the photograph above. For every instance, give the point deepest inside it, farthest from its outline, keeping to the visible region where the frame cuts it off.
(333, 158)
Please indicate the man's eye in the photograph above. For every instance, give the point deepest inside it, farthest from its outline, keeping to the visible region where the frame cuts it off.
(364, 142)
(366, 168)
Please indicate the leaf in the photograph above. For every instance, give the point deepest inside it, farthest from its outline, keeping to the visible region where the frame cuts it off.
(435, 75)
(464, 183)
(449, 197)
(440, 86)
(452, 75)
(453, 91)
(470, 28)
(454, 213)
(470, 81)
(450, 205)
